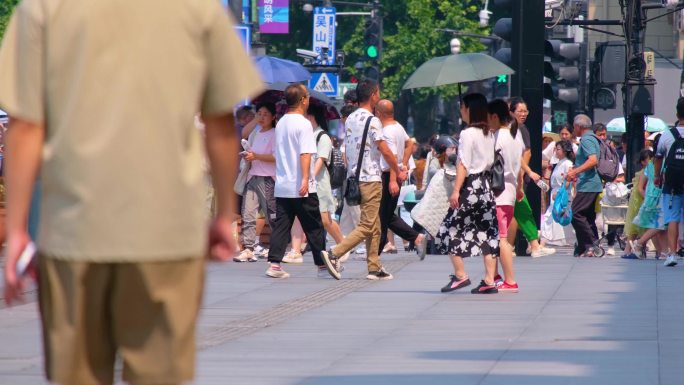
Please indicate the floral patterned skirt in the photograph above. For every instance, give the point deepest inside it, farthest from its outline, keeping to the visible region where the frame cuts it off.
(472, 229)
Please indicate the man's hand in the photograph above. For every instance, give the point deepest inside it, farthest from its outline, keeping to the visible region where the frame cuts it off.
(249, 156)
(571, 176)
(222, 244)
(658, 180)
(394, 188)
(14, 285)
(304, 189)
(453, 200)
(403, 175)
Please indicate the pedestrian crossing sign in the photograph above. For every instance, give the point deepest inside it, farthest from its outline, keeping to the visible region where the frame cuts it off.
(325, 83)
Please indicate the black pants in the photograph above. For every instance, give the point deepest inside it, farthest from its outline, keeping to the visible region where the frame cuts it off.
(584, 220)
(307, 211)
(389, 218)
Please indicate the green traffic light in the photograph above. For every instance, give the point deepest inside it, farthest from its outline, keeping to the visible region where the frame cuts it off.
(372, 51)
(502, 79)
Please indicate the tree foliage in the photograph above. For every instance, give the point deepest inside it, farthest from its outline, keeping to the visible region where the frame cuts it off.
(418, 39)
(6, 9)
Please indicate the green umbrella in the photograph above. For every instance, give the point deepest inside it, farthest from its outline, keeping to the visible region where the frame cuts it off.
(453, 69)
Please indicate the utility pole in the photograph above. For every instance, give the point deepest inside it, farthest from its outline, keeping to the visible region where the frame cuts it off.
(528, 62)
(638, 90)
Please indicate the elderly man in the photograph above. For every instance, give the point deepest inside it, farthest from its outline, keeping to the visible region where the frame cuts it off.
(588, 186)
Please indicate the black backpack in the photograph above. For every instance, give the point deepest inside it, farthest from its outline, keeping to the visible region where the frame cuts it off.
(674, 164)
(608, 166)
(335, 165)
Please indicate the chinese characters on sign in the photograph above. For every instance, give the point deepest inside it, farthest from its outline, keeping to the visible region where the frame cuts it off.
(274, 16)
(324, 34)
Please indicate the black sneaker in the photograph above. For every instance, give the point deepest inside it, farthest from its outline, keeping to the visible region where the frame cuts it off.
(381, 275)
(456, 283)
(483, 288)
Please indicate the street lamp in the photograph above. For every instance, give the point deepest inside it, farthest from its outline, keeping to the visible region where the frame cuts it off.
(455, 45)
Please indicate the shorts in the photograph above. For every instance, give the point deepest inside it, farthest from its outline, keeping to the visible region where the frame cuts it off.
(326, 202)
(672, 206)
(504, 215)
(144, 312)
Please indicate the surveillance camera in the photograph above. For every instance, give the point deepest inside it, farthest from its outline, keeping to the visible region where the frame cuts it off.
(306, 54)
(484, 17)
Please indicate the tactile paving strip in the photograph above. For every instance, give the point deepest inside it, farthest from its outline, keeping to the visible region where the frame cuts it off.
(287, 310)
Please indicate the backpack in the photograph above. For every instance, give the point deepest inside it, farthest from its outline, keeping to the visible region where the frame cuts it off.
(335, 165)
(674, 164)
(608, 165)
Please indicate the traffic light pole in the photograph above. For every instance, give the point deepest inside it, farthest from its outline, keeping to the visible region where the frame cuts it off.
(635, 28)
(528, 61)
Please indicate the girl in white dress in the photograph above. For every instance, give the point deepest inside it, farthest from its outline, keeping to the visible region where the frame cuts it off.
(551, 231)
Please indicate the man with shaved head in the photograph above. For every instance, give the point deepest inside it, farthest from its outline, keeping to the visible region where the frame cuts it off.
(398, 141)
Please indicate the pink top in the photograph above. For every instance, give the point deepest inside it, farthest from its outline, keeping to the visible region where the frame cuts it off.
(264, 143)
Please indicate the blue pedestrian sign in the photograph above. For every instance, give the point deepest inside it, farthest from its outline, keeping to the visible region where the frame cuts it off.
(325, 83)
(324, 33)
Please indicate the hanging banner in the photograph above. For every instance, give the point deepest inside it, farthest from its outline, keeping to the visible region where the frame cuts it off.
(274, 16)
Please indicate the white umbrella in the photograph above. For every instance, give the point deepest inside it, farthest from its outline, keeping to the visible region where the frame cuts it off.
(651, 125)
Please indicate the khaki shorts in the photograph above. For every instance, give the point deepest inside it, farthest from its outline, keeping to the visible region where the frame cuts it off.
(144, 312)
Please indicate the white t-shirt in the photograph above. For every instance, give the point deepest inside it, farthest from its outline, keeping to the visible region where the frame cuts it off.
(475, 150)
(370, 168)
(395, 137)
(293, 137)
(549, 153)
(511, 150)
(323, 150)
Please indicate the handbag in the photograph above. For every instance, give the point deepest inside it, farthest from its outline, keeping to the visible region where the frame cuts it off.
(352, 193)
(243, 176)
(498, 182)
(562, 212)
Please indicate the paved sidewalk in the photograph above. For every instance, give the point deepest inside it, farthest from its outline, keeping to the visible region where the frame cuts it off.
(575, 321)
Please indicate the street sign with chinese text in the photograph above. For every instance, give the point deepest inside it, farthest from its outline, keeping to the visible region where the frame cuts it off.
(324, 34)
(274, 16)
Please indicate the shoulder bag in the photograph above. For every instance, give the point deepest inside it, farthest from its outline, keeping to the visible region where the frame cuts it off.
(352, 194)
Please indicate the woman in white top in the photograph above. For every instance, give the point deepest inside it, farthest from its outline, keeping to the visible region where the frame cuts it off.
(509, 143)
(470, 227)
(259, 189)
(551, 231)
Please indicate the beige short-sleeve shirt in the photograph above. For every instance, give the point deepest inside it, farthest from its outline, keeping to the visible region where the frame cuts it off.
(117, 84)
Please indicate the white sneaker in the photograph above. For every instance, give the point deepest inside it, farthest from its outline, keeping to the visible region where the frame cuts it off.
(361, 250)
(245, 256)
(260, 252)
(345, 257)
(275, 271)
(610, 251)
(671, 260)
(542, 252)
(293, 257)
(332, 264)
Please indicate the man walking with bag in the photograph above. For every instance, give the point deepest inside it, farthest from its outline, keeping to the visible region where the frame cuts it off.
(589, 186)
(365, 145)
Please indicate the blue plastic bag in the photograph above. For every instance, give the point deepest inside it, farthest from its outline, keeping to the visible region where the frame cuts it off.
(562, 212)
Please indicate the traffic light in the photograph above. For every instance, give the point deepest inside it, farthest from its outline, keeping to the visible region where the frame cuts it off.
(504, 29)
(500, 86)
(372, 38)
(561, 68)
(608, 70)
